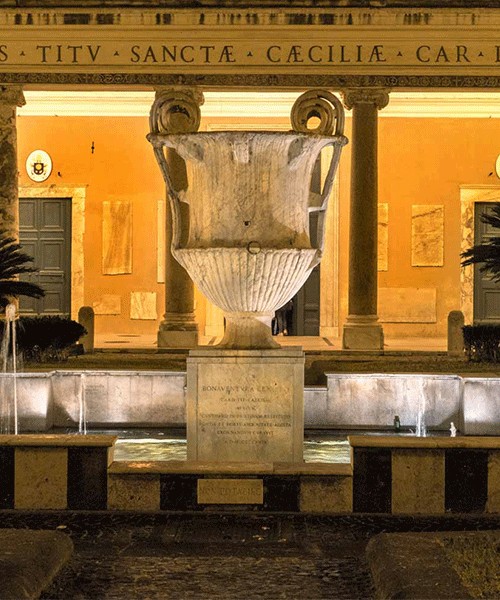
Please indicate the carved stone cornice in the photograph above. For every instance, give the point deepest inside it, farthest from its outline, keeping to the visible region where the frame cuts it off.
(377, 96)
(176, 110)
(302, 81)
(11, 95)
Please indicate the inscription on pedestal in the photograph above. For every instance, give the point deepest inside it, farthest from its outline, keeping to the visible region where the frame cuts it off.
(230, 491)
(246, 411)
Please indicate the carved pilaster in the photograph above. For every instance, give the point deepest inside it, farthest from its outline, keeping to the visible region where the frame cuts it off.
(176, 110)
(11, 96)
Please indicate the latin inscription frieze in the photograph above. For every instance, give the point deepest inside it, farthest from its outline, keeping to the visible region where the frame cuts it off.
(233, 54)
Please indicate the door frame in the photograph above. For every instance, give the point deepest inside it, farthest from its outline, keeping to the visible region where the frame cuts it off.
(469, 196)
(77, 196)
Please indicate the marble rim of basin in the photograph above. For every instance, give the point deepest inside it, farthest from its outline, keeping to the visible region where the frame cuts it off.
(248, 193)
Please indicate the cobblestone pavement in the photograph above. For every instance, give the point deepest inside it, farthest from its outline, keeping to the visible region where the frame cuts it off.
(221, 555)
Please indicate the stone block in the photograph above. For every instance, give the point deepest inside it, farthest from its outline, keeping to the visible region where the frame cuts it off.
(88, 478)
(128, 398)
(141, 493)
(30, 560)
(230, 491)
(33, 399)
(170, 338)
(86, 318)
(363, 337)
(6, 477)
(245, 405)
(372, 480)
(373, 400)
(481, 406)
(493, 502)
(455, 333)
(315, 407)
(326, 494)
(466, 480)
(40, 478)
(417, 481)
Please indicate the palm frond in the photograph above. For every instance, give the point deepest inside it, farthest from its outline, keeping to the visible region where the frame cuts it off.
(12, 259)
(13, 262)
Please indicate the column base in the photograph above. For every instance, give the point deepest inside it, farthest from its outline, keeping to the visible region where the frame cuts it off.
(362, 333)
(177, 339)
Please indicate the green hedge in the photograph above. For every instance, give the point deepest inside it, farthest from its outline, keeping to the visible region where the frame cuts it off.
(482, 342)
(47, 339)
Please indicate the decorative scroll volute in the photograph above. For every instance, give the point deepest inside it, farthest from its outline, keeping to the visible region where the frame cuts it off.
(323, 105)
(176, 111)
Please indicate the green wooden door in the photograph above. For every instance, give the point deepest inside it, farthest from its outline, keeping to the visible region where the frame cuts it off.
(486, 291)
(45, 234)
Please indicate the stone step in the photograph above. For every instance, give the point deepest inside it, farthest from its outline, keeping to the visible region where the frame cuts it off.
(30, 560)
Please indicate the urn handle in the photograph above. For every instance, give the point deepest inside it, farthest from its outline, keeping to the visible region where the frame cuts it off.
(322, 105)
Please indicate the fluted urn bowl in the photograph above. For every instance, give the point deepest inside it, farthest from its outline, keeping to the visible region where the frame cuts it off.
(248, 196)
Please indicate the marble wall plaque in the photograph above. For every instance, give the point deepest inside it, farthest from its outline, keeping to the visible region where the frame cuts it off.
(143, 306)
(427, 235)
(407, 305)
(243, 407)
(108, 304)
(116, 237)
(383, 237)
(230, 491)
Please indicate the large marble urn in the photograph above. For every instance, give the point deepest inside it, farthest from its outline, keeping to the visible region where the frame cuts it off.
(247, 243)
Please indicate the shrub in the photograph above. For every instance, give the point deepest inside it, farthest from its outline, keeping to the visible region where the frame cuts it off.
(46, 339)
(482, 342)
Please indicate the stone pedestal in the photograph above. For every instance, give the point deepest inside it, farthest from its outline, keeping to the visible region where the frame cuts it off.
(245, 405)
(362, 330)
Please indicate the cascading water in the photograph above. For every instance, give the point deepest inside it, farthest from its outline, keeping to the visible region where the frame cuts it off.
(82, 420)
(421, 429)
(8, 412)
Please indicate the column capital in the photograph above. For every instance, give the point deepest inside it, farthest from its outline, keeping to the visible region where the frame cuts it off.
(12, 95)
(176, 110)
(377, 96)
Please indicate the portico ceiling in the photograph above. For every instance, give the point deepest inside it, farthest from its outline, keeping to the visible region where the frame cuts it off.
(253, 104)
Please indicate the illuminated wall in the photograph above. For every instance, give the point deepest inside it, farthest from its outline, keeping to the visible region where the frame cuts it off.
(422, 163)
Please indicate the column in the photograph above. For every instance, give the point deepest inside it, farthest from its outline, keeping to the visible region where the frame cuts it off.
(11, 96)
(362, 330)
(178, 328)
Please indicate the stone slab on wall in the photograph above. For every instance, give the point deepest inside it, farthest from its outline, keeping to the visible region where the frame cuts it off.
(427, 235)
(407, 305)
(481, 406)
(108, 304)
(143, 305)
(119, 398)
(116, 237)
(374, 400)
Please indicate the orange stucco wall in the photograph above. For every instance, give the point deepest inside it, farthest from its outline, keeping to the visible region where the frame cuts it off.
(421, 161)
